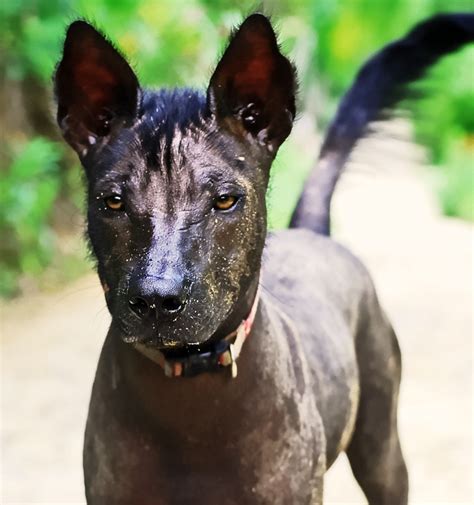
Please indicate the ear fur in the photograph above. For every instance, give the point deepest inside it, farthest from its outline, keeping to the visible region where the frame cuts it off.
(94, 86)
(252, 91)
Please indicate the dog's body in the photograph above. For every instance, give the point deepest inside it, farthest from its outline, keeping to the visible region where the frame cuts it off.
(268, 435)
(320, 371)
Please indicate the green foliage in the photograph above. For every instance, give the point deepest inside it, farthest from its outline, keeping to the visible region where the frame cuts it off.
(28, 190)
(456, 185)
(444, 115)
(444, 122)
(289, 172)
(172, 42)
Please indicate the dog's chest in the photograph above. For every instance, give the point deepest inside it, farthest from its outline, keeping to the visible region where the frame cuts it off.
(256, 439)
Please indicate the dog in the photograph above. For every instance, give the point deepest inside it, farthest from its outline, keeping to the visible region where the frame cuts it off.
(238, 364)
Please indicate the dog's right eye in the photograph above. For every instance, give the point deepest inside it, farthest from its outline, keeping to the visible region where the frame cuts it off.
(225, 202)
(115, 202)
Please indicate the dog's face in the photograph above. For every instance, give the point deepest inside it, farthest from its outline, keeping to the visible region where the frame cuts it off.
(176, 180)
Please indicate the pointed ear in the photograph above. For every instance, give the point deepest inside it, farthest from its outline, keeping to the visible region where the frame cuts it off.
(95, 88)
(252, 90)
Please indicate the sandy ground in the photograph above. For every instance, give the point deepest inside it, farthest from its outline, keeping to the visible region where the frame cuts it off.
(422, 265)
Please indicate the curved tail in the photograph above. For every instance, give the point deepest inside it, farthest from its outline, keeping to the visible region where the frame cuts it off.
(379, 85)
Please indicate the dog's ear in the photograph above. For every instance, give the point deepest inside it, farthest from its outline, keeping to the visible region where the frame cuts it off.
(95, 88)
(252, 91)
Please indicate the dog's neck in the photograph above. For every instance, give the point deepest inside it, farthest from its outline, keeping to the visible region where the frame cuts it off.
(126, 373)
(240, 311)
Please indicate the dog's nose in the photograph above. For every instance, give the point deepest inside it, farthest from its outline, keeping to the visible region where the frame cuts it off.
(157, 297)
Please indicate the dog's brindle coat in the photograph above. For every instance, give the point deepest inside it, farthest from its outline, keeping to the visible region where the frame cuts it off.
(177, 222)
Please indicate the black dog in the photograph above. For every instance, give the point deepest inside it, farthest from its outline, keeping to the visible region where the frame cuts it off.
(177, 221)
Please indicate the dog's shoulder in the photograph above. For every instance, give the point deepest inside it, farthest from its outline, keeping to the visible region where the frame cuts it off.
(315, 256)
(316, 279)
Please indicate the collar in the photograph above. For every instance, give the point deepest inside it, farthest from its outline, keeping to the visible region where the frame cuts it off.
(223, 353)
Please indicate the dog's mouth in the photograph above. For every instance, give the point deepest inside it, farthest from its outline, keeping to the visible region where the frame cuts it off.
(180, 334)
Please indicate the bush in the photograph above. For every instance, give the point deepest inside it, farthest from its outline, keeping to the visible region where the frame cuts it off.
(28, 190)
(456, 183)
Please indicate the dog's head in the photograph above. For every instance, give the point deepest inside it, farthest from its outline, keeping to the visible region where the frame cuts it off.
(176, 180)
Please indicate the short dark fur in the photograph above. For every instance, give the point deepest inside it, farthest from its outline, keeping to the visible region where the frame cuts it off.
(320, 371)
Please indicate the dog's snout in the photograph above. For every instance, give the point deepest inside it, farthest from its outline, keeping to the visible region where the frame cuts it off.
(157, 297)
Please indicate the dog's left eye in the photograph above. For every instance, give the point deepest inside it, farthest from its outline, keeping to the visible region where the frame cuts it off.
(225, 202)
(115, 202)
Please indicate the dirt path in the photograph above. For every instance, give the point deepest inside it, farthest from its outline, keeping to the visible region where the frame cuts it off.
(422, 265)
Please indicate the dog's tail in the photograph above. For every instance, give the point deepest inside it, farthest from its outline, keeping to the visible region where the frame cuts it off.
(379, 85)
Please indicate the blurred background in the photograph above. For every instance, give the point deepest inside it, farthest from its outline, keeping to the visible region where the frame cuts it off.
(389, 209)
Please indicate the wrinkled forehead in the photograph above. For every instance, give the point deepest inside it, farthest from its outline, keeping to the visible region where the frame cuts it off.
(181, 164)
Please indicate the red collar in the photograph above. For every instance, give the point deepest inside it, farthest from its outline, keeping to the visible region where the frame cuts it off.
(224, 353)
